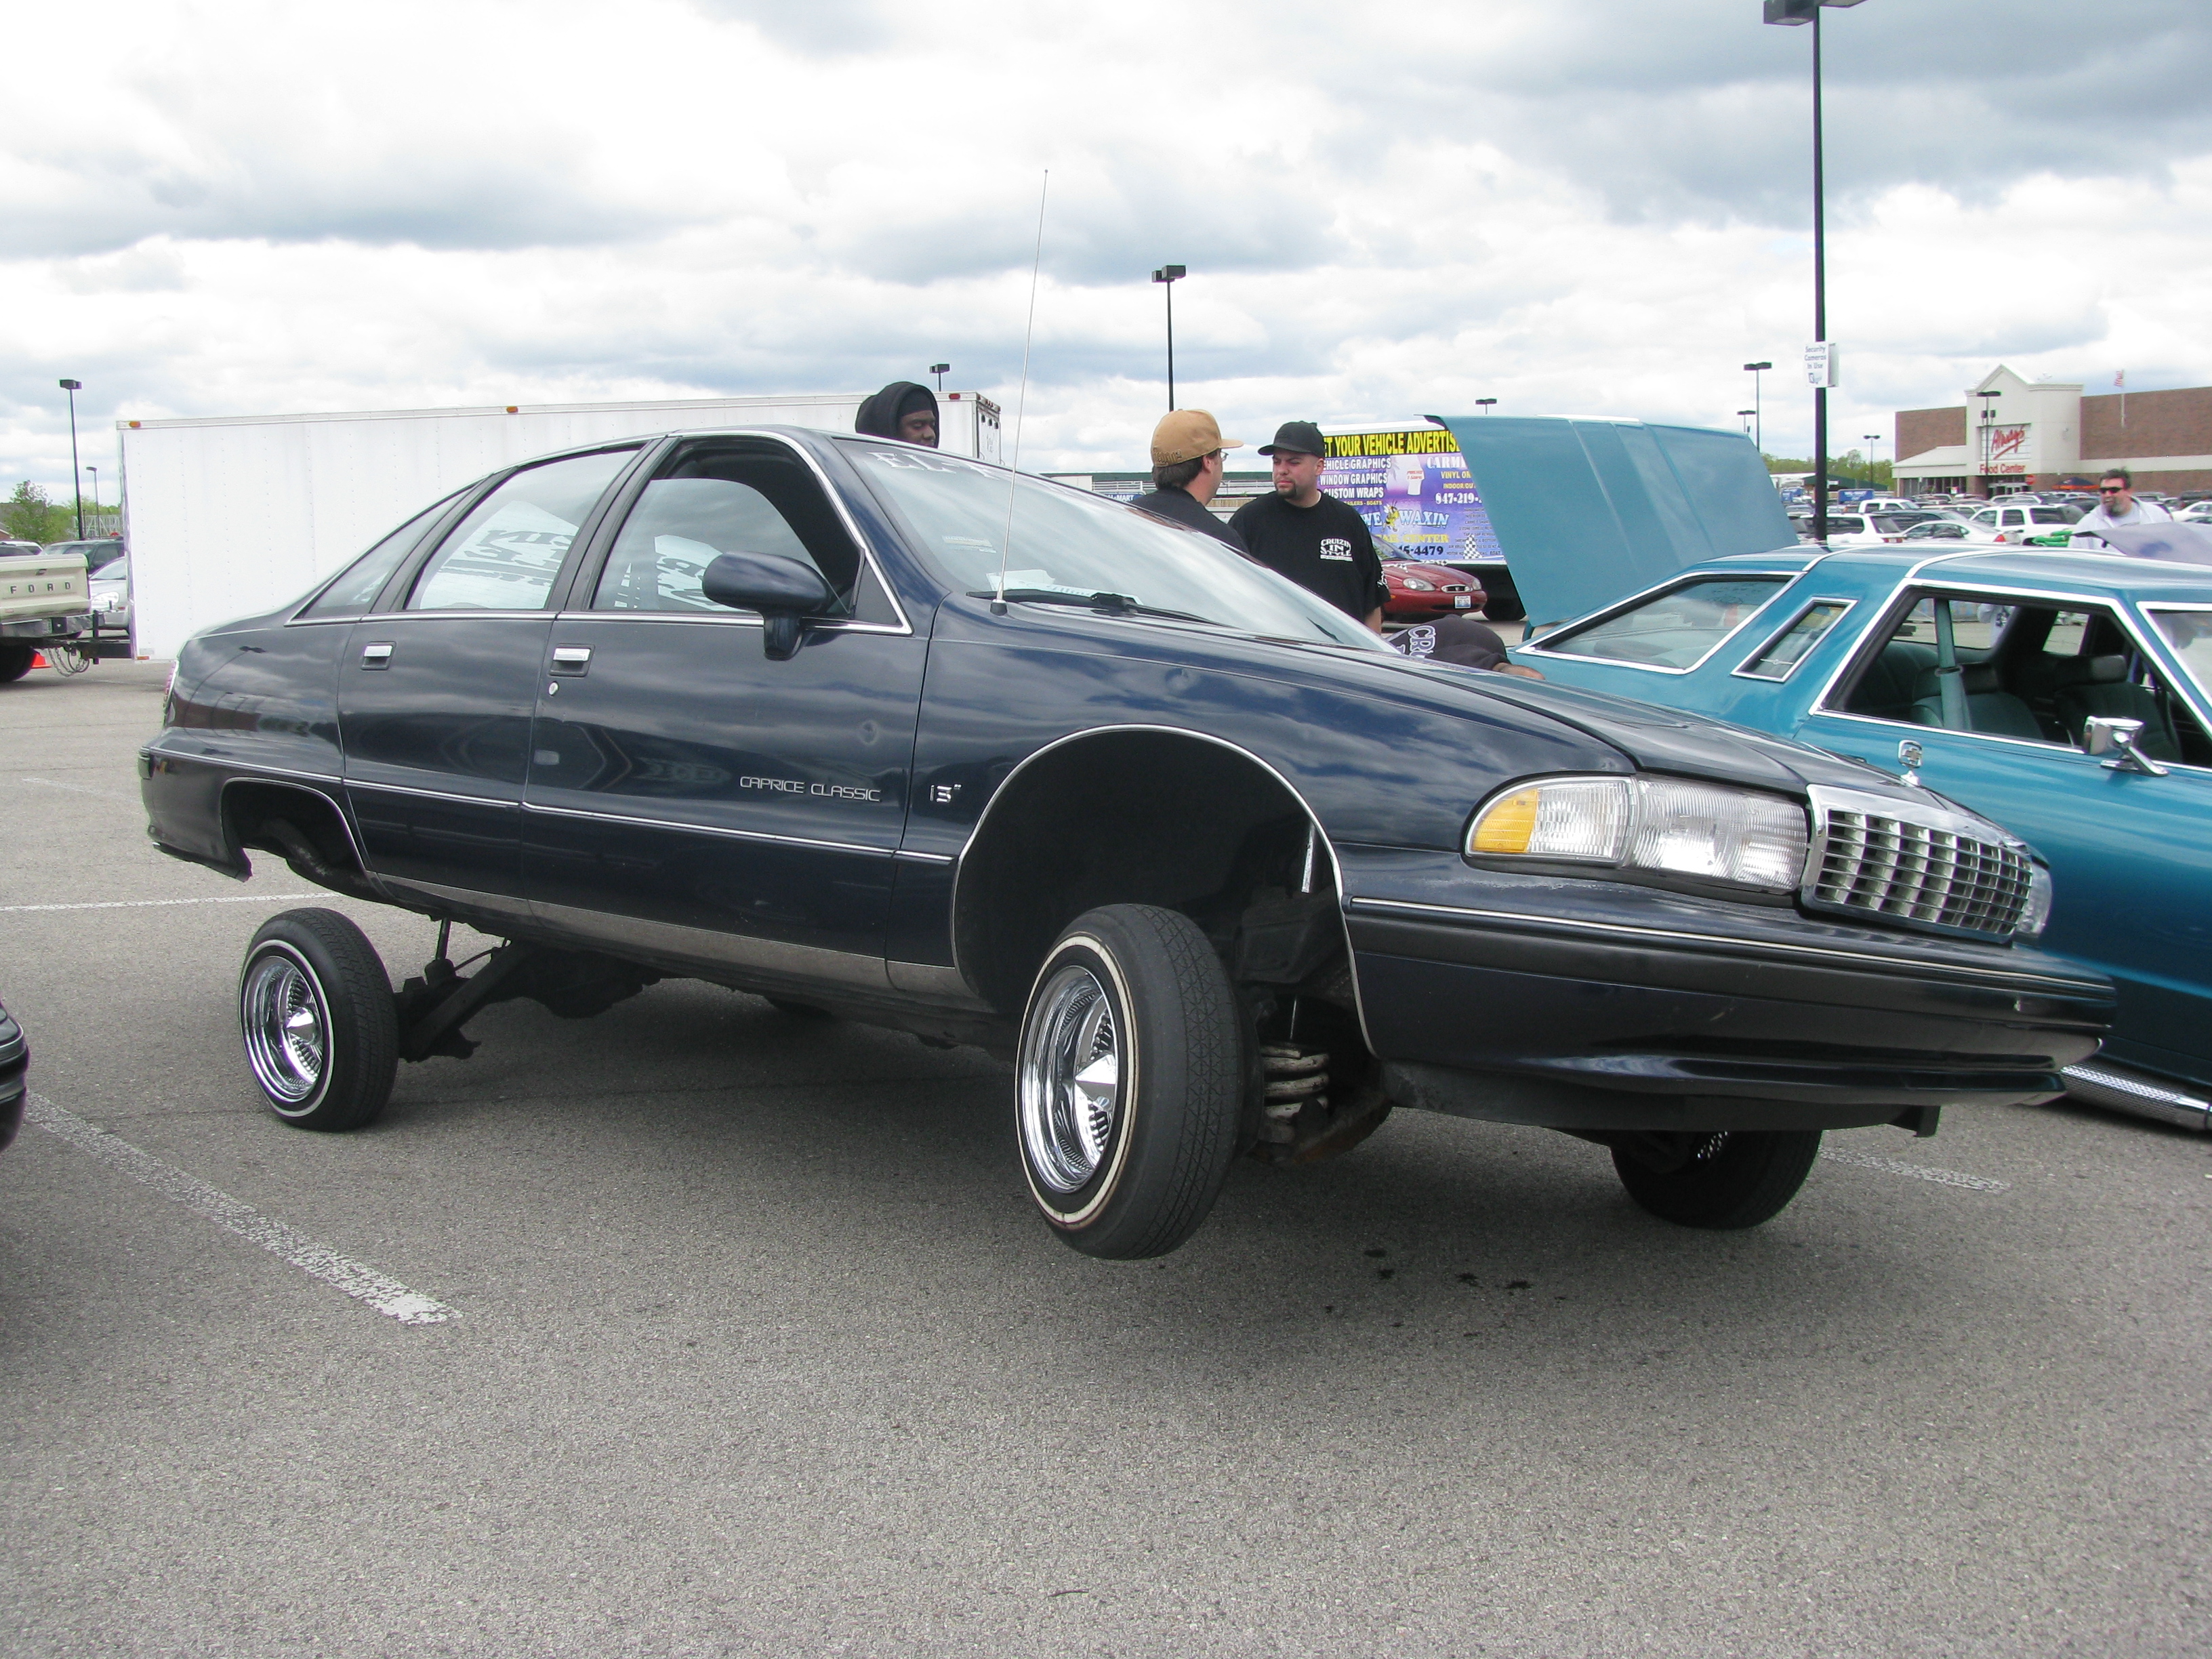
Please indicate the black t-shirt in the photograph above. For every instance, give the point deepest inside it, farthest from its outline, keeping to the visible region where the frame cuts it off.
(1180, 506)
(1325, 549)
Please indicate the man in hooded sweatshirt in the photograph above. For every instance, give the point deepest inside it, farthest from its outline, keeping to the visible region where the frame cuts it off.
(901, 411)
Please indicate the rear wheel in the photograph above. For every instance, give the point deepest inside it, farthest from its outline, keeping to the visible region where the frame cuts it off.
(316, 1012)
(1130, 1082)
(1728, 1178)
(15, 662)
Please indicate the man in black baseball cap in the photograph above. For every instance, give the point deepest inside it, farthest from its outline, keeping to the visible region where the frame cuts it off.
(1320, 542)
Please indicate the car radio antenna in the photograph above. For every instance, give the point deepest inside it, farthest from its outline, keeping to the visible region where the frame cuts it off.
(1022, 402)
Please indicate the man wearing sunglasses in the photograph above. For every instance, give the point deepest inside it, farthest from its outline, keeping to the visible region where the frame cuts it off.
(2117, 507)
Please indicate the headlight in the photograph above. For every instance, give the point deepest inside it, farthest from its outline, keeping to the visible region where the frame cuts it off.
(1417, 584)
(2036, 914)
(1738, 836)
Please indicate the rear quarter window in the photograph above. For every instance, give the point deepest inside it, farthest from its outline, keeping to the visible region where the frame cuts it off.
(1675, 629)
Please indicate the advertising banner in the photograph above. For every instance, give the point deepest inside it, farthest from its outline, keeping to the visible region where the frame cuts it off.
(1413, 489)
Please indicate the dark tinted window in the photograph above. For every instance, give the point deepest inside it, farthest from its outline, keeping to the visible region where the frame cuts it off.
(504, 554)
(359, 584)
(715, 500)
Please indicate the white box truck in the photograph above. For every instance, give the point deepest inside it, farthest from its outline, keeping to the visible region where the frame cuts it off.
(226, 516)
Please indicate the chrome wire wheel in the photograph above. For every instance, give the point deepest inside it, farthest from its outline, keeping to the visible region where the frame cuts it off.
(1071, 1081)
(286, 1026)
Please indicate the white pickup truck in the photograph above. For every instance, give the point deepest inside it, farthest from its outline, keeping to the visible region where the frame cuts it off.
(43, 601)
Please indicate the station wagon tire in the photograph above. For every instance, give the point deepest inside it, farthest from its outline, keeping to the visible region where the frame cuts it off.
(1129, 1084)
(1732, 1178)
(15, 662)
(317, 1015)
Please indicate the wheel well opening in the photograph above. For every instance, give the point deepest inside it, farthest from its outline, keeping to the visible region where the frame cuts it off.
(301, 827)
(1140, 818)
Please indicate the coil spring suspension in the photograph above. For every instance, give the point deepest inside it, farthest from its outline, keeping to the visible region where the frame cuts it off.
(1294, 1076)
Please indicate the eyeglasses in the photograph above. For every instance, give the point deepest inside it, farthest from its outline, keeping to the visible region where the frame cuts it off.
(2111, 489)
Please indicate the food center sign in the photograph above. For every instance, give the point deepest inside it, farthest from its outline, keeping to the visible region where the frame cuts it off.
(1412, 487)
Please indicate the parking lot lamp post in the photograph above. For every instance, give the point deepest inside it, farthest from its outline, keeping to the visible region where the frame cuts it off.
(1757, 425)
(1790, 12)
(1874, 460)
(95, 492)
(1746, 415)
(940, 370)
(1167, 276)
(77, 477)
(1485, 403)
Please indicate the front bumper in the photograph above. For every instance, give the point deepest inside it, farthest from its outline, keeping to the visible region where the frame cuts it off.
(14, 1066)
(1634, 1008)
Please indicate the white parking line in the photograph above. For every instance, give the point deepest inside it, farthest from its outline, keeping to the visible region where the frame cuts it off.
(151, 904)
(84, 789)
(386, 1295)
(1918, 1171)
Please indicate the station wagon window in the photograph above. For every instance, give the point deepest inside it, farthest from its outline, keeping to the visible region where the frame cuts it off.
(504, 554)
(1675, 629)
(2029, 671)
(2189, 634)
(713, 500)
(1780, 657)
(360, 582)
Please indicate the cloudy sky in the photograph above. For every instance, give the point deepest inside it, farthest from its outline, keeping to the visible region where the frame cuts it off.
(1574, 206)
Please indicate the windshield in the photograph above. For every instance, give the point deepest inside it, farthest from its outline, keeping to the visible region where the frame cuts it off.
(2189, 634)
(1067, 543)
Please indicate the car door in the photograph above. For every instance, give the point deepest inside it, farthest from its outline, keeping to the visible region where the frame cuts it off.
(2131, 853)
(435, 693)
(689, 797)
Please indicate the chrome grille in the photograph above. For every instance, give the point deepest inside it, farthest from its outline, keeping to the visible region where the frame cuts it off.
(1925, 874)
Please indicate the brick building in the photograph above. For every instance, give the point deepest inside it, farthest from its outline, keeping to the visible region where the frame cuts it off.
(2028, 434)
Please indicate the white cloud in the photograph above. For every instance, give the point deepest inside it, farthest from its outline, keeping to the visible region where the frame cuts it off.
(256, 207)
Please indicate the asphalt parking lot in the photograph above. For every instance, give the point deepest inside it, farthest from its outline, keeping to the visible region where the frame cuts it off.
(698, 1329)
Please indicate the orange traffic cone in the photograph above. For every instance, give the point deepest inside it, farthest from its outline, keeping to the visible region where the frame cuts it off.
(38, 660)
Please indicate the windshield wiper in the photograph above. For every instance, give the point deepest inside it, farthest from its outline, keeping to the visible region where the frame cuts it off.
(1124, 605)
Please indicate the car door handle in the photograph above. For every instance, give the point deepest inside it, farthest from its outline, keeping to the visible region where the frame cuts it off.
(572, 659)
(377, 655)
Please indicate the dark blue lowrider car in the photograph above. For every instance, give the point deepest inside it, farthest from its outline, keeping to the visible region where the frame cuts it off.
(879, 733)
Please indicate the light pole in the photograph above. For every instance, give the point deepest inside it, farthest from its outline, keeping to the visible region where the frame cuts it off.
(95, 492)
(1167, 276)
(1872, 443)
(1746, 415)
(1757, 424)
(1791, 13)
(1485, 403)
(77, 477)
(940, 370)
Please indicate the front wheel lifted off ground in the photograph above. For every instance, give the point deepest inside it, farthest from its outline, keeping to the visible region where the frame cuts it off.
(316, 1010)
(1728, 1178)
(1130, 1082)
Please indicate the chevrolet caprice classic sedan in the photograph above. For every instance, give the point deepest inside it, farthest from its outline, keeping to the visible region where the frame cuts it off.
(878, 732)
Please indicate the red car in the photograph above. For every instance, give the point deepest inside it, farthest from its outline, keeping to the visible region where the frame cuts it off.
(1420, 591)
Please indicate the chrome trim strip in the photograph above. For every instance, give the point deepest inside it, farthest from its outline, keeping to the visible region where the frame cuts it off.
(923, 858)
(715, 948)
(680, 827)
(1742, 671)
(1681, 579)
(434, 794)
(1336, 865)
(727, 619)
(1725, 942)
(2104, 1084)
(244, 766)
(940, 984)
(540, 615)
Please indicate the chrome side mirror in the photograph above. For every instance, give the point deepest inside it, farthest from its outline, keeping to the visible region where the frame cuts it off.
(2105, 735)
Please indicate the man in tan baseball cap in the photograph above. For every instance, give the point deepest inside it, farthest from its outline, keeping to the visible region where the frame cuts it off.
(1188, 457)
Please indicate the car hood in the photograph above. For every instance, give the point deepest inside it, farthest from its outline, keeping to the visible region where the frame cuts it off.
(1588, 511)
